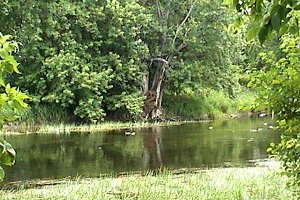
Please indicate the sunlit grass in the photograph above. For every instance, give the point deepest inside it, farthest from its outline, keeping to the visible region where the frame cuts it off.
(68, 128)
(231, 184)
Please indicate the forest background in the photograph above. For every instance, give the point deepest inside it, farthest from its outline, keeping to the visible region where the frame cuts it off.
(89, 61)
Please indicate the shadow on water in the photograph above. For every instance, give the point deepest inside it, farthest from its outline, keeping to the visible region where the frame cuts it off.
(194, 145)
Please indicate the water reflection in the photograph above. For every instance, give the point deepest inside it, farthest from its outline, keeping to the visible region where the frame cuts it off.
(152, 149)
(229, 143)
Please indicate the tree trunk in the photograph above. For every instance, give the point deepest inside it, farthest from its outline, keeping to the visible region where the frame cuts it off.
(152, 106)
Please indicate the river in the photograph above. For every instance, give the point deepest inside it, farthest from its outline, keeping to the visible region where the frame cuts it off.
(227, 143)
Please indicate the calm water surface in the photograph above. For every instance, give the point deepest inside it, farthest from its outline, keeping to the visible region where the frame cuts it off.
(230, 143)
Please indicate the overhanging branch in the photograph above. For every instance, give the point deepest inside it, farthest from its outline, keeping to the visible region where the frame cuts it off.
(183, 22)
(160, 60)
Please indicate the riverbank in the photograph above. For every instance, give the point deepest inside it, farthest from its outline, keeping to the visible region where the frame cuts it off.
(228, 183)
(65, 128)
(23, 128)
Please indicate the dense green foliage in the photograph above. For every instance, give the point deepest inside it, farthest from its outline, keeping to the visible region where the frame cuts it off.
(276, 77)
(11, 99)
(278, 84)
(88, 59)
(84, 57)
(93, 60)
(267, 16)
(211, 104)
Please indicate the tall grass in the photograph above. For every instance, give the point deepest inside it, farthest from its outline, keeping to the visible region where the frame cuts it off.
(218, 184)
(212, 104)
(218, 104)
(184, 107)
(245, 101)
(40, 114)
(72, 128)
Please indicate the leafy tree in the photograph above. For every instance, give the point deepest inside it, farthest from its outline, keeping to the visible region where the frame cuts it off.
(114, 58)
(278, 86)
(171, 24)
(85, 57)
(189, 50)
(277, 78)
(213, 55)
(267, 16)
(11, 99)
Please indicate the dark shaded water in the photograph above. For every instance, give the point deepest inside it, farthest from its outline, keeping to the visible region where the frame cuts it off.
(229, 143)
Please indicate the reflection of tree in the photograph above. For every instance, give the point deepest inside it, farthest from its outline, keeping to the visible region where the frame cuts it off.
(152, 149)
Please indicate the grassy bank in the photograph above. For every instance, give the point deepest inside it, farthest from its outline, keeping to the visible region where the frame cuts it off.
(210, 104)
(68, 128)
(233, 183)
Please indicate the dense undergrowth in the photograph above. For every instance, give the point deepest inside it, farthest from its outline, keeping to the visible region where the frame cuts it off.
(212, 105)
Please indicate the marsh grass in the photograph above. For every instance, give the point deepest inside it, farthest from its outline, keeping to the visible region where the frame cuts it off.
(233, 183)
(72, 128)
(211, 104)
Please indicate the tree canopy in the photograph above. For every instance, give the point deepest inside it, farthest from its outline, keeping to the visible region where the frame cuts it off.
(281, 16)
(115, 59)
(277, 78)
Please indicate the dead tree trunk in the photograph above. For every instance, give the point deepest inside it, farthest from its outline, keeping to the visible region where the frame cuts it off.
(152, 106)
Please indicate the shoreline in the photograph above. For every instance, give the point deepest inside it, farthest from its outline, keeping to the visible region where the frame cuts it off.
(221, 183)
(86, 128)
(266, 164)
(67, 128)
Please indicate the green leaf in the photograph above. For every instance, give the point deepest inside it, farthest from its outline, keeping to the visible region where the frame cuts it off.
(294, 29)
(269, 149)
(1, 80)
(263, 34)
(7, 159)
(283, 29)
(282, 12)
(4, 38)
(276, 22)
(2, 174)
(237, 22)
(272, 144)
(297, 7)
(227, 2)
(10, 149)
(252, 32)
(8, 154)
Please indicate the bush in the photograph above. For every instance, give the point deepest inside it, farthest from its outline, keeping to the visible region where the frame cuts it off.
(278, 86)
(212, 104)
(11, 99)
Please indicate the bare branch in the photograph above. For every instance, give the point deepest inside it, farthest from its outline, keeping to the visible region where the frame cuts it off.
(160, 60)
(181, 46)
(183, 22)
(159, 12)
